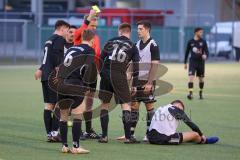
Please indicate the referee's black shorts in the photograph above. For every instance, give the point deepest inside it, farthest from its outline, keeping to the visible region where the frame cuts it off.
(196, 68)
(49, 95)
(118, 86)
(157, 138)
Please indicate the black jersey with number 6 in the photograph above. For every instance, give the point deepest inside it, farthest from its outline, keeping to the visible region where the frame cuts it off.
(79, 64)
(53, 55)
(117, 54)
(75, 76)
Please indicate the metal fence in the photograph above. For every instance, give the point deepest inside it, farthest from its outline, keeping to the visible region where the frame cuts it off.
(21, 40)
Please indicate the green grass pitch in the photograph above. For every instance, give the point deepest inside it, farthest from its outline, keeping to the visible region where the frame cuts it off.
(22, 134)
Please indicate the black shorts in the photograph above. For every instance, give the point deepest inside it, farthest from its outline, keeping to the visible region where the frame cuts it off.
(66, 102)
(196, 68)
(157, 138)
(92, 86)
(49, 95)
(67, 97)
(118, 86)
(140, 96)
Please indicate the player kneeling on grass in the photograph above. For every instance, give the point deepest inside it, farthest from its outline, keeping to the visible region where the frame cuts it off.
(72, 84)
(165, 122)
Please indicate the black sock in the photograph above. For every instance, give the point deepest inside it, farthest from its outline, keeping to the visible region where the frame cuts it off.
(88, 120)
(134, 120)
(104, 122)
(190, 87)
(47, 116)
(63, 132)
(150, 115)
(201, 85)
(76, 131)
(55, 119)
(126, 118)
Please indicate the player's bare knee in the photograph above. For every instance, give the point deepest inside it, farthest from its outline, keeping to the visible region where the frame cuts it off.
(77, 115)
(64, 115)
(135, 105)
(89, 103)
(201, 79)
(49, 106)
(149, 106)
(191, 78)
(90, 94)
(197, 137)
(126, 106)
(78, 110)
(105, 106)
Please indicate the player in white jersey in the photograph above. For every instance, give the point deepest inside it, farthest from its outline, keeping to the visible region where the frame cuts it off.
(148, 64)
(165, 122)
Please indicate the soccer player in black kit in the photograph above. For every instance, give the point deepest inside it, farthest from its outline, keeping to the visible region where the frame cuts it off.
(69, 38)
(149, 61)
(72, 83)
(116, 55)
(198, 54)
(53, 57)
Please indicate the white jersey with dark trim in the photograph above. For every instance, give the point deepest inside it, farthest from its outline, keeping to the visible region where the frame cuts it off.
(166, 120)
(163, 122)
(148, 52)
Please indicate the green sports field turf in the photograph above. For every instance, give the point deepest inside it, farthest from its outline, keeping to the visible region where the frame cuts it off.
(22, 135)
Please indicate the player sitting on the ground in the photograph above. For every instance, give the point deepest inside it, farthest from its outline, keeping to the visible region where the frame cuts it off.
(165, 122)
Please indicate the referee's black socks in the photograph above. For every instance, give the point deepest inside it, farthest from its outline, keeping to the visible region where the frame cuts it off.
(104, 118)
(88, 120)
(126, 118)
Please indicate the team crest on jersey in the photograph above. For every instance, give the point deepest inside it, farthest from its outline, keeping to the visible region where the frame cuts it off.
(154, 43)
(201, 44)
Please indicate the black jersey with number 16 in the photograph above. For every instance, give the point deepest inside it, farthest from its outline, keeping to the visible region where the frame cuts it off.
(116, 55)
